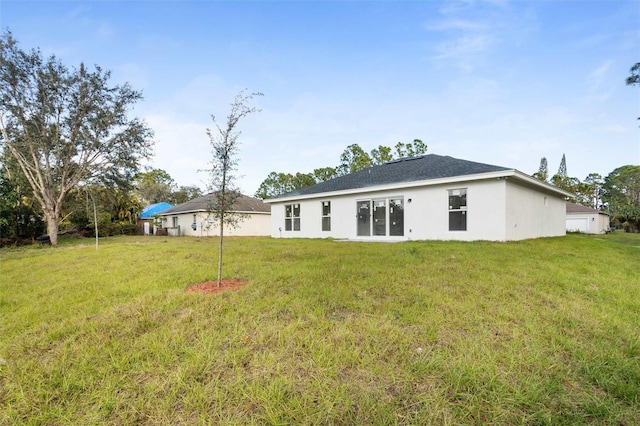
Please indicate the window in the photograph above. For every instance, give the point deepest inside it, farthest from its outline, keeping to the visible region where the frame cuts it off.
(326, 215)
(396, 217)
(458, 209)
(174, 221)
(292, 217)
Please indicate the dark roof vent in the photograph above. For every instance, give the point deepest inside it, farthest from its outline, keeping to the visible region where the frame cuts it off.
(400, 160)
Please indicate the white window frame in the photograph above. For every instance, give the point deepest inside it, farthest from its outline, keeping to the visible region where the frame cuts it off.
(457, 209)
(291, 219)
(326, 216)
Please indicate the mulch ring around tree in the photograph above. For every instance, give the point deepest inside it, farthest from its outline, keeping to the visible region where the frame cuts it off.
(211, 287)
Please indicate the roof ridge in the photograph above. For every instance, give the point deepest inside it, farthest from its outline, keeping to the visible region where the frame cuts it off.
(405, 169)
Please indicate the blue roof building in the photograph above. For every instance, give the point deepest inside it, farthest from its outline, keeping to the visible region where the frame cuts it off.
(152, 209)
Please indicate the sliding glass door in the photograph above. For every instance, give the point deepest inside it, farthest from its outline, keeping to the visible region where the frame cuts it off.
(380, 217)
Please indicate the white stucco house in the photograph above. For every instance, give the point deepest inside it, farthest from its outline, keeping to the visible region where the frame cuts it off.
(428, 197)
(587, 220)
(194, 219)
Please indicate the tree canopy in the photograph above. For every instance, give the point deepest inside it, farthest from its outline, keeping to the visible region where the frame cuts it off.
(66, 126)
(543, 171)
(352, 159)
(156, 186)
(634, 77)
(587, 193)
(621, 190)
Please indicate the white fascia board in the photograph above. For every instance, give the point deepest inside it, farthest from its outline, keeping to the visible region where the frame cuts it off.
(180, 212)
(206, 211)
(543, 185)
(502, 174)
(395, 186)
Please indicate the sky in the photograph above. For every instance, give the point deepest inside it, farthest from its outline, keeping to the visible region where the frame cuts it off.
(498, 82)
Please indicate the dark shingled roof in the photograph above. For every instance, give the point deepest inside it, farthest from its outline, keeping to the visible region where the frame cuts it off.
(243, 204)
(412, 169)
(577, 208)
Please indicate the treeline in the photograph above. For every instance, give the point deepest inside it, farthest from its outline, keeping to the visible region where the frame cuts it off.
(114, 208)
(352, 159)
(617, 194)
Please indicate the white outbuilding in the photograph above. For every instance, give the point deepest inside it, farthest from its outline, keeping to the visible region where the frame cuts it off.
(586, 220)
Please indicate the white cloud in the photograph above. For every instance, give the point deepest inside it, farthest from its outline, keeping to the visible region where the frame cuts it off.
(181, 149)
(469, 32)
(458, 24)
(598, 82)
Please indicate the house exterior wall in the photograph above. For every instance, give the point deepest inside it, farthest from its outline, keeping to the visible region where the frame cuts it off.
(533, 214)
(497, 210)
(591, 223)
(604, 224)
(256, 224)
(426, 214)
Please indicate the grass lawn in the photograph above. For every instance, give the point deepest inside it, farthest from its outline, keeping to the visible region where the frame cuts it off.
(324, 332)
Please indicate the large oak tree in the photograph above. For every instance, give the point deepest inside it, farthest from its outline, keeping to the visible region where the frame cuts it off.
(66, 127)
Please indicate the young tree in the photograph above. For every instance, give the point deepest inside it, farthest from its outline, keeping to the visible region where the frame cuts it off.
(225, 144)
(66, 126)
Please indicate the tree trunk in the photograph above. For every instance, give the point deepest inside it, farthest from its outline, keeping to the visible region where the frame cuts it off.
(220, 251)
(52, 227)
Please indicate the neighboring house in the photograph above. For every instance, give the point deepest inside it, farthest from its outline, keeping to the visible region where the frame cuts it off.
(194, 219)
(144, 224)
(586, 220)
(429, 197)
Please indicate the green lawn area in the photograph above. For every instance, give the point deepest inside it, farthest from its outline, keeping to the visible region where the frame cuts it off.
(534, 332)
